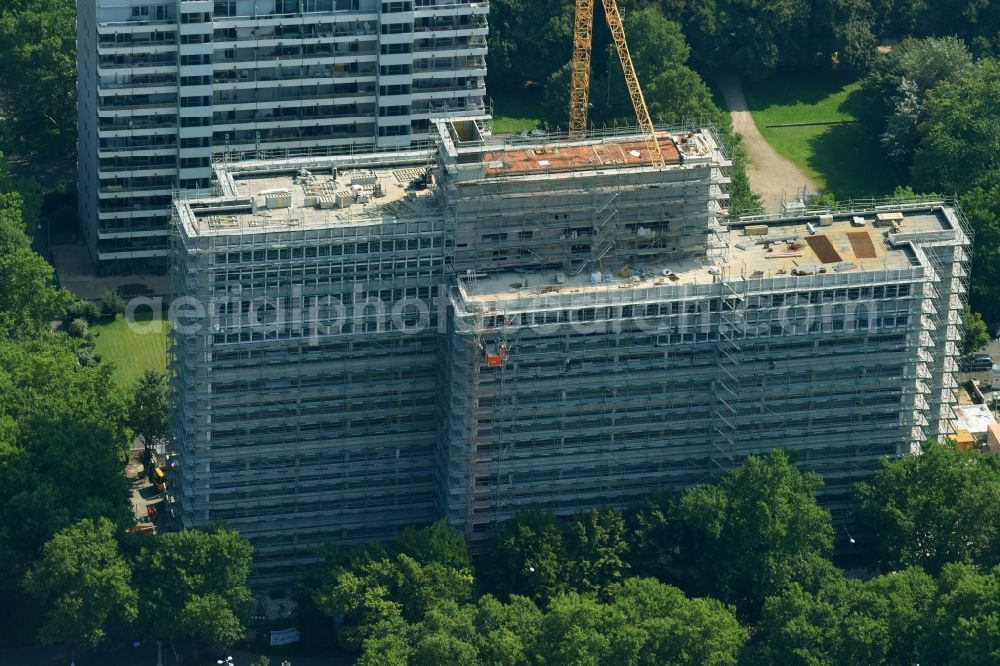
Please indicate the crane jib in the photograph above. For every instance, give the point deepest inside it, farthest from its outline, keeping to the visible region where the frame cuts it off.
(583, 30)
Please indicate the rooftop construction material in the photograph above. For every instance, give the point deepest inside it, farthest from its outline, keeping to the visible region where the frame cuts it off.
(545, 159)
(440, 338)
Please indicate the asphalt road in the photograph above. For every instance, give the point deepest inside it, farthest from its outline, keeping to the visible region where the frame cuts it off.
(145, 655)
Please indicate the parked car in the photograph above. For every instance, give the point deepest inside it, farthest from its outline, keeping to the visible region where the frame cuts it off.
(977, 362)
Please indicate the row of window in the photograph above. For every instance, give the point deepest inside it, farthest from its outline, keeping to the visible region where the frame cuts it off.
(138, 59)
(328, 280)
(122, 38)
(114, 143)
(137, 162)
(831, 296)
(308, 463)
(359, 349)
(134, 223)
(315, 110)
(251, 137)
(278, 277)
(136, 121)
(335, 250)
(153, 12)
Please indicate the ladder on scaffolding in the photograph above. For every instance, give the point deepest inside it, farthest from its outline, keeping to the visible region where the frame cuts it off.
(604, 226)
(732, 334)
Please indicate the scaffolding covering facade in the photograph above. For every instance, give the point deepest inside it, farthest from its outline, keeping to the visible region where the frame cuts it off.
(503, 323)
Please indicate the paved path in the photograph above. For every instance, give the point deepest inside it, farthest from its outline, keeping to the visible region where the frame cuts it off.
(75, 273)
(771, 175)
(145, 655)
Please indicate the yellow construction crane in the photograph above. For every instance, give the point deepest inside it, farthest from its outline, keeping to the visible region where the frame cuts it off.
(579, 97)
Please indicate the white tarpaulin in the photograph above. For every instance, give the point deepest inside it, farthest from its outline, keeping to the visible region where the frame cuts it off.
(284, 636)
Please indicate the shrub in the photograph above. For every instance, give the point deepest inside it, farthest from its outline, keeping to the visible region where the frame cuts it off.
(79, 327)
(114, 303)
(83, 309)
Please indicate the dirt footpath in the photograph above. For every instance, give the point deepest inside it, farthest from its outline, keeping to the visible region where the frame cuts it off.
(771, 175)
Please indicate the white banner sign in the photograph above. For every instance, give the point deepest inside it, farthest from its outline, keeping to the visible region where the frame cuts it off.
(284, 636)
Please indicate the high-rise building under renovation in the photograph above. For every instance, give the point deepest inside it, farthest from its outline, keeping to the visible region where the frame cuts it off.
(503, 323)
(165, 88)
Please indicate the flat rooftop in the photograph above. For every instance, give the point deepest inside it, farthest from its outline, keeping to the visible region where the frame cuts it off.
(844, 246)
(302, 199)
(388, 189)
(805, 246)
(527, 160)
(975, 418)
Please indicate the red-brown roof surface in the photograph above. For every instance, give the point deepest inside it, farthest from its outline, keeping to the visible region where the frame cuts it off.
(545, 159)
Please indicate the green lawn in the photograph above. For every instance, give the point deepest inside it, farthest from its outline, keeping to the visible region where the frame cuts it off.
(838, 157)
(516, 113)
(133, 350)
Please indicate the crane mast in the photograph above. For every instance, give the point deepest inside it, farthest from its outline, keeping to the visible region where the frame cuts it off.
(580, 89)
(579, 95)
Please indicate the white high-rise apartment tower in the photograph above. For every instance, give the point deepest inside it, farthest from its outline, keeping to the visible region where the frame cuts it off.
(167, 87)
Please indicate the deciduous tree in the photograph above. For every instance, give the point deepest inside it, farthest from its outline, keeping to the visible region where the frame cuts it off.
(63, 442)
(982, 208)
(507, 632)
(439, 542)
(38, 79)
(960, 139)
(376, 593)
(193, 586)
(846, 621)
(930, 509)
(756, 531)
(677, 630)
(963, 625)
(844, 28)
(148, 411)
(28, 300)
(893, 97)
(975, 335)
(596, 549)
(84, 583)
(527, 557)
(753, 38)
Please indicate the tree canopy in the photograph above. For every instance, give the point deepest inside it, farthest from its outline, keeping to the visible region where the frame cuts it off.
(893, 97)
(193, 586)
(961, 137)
(754, 38)
(149, 407)
(748, 536)
(28, 301)
(38, 79)
(85, 582)
(931, 509)
(981, 205)
(975, 334)
(963, 625)
(847, 621)
(529, 41)
(646, 623)
(57, 419)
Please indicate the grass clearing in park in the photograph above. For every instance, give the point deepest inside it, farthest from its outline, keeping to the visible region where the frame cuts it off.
(837, 154)
(513, 114)
(133, 350)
